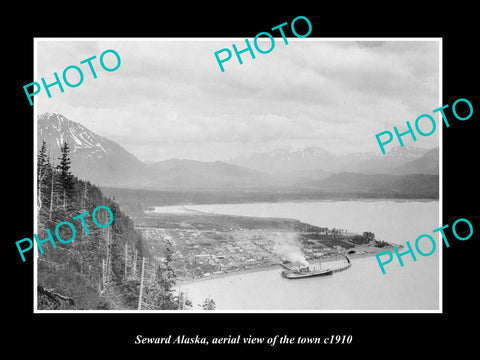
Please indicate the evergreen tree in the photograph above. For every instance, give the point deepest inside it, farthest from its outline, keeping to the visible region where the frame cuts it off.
(42, 162)
(116, 246)
(75, 269)
(170, 273)
(53, 190)
(43, 172)
(166, 281)
(66, 178)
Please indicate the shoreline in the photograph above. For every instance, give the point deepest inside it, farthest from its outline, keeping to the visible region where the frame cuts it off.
(372, 252)
(361, 251)
(367, 199)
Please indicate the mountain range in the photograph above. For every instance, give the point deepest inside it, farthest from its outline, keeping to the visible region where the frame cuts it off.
(284, 160)
(106, 163)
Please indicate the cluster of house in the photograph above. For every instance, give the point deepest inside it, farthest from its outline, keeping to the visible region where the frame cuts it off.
(204, 253)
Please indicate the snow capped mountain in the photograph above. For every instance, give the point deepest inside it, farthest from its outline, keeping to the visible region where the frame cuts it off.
(57, 129)
(284, 160)
(106, 163)
(94, 157)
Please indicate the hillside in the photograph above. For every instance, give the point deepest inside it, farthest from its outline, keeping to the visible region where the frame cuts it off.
(100, 267)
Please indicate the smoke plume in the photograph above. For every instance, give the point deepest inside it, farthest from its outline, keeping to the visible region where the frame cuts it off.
(286, 245)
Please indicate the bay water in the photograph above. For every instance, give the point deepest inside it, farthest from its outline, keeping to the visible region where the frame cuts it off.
(363, 287)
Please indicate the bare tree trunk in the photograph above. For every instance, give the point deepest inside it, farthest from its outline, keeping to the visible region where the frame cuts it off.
(103, 273)
(84, 196)
(141, 286)
(39, 199)
(126, 258)
(134, 270)
(51, 196)
(39, 192)
(108, 262)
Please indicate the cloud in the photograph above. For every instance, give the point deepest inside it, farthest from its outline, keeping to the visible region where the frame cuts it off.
(169, 97)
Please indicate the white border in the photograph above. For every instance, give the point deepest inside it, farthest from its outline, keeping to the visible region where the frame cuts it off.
(35, 177)
(440, 176)
(440, 89)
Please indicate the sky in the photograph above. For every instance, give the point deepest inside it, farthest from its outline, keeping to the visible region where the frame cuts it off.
(169, 98)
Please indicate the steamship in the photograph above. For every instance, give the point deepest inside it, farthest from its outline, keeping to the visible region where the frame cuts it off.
(304, 272)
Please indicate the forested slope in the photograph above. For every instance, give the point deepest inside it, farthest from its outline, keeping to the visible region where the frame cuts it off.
(101, 267)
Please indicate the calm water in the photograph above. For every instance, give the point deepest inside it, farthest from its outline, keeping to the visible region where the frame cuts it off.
(362, 287)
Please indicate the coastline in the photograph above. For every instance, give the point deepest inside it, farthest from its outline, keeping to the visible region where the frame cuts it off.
(360, 251)
(186, 208)
(232, 273)
(372, 251)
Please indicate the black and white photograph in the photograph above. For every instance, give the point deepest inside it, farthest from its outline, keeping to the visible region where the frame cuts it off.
(258, 188)
(293, 180)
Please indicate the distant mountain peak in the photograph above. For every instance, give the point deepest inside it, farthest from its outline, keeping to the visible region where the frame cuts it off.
(57, 126)
(106, 163)
(94, 157)
(286, 159)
